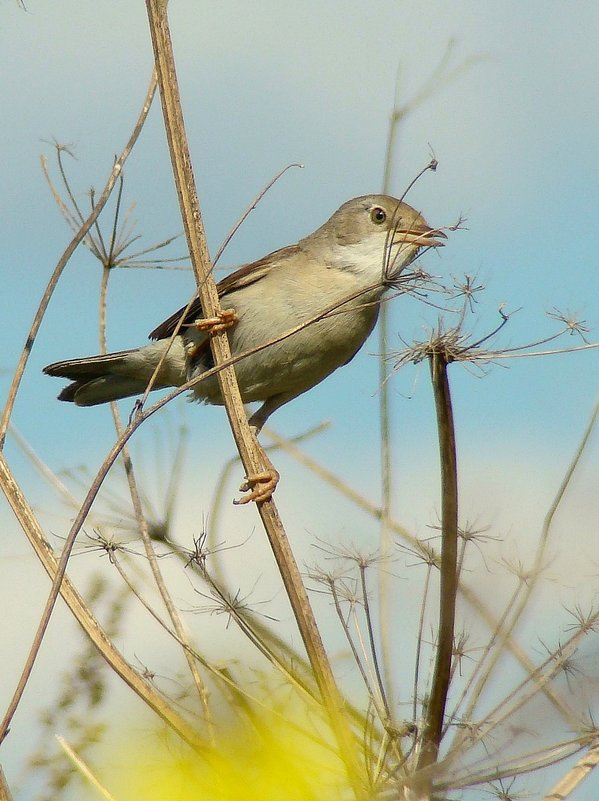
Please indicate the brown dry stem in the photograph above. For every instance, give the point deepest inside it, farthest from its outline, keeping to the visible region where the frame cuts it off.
(435, 710)
(90, 625)
(246, 442)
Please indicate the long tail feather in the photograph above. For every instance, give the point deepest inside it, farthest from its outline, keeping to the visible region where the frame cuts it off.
(99, 379)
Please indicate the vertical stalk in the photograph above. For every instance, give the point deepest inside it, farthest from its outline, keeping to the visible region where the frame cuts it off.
(433, 726)
(140, 517)
(386, 613)
(249, 450)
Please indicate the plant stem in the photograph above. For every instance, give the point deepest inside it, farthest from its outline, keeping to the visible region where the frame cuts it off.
(250, 452)
(433, 727)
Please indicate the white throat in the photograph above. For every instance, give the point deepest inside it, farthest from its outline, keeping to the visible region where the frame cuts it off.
(368, 257)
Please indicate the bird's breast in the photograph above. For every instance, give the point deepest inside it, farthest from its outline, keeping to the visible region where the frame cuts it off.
(304, 330)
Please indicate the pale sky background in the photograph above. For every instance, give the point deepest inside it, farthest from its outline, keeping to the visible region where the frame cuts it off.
(265, 84)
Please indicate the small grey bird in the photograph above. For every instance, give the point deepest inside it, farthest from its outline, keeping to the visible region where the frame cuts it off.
(344, 267)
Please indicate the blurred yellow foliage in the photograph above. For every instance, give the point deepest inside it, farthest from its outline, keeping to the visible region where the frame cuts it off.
(269, 760)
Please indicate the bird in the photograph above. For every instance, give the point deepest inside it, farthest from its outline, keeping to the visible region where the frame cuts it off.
(331, 282)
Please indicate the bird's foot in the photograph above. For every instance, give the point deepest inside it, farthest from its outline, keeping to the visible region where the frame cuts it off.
(260, 486)
(221, 322)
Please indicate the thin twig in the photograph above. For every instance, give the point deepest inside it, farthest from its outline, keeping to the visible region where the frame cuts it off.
(439, 78)
(79, 236)
(419, 638)
(44, 471)
(521, 763)
(556, 352)
(532, 684)
(479, 679)
(219, 253)
(372, 644)
(90, 625)
(221, 673)
(84, 769)
(251, 208)
(398, 529)
(526, 588)
(140, 517)
(60, 571)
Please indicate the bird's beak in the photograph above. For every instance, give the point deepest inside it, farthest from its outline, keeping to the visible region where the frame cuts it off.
(420, 236)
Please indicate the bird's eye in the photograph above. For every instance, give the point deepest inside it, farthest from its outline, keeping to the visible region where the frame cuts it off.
(378, 215)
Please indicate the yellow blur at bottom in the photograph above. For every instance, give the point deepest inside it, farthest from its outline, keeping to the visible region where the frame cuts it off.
(249, 764)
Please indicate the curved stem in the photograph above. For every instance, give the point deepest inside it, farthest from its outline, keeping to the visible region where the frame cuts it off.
(58, 270)
(4, 424)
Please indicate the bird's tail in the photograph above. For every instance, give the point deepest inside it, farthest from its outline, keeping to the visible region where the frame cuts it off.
(99, 379)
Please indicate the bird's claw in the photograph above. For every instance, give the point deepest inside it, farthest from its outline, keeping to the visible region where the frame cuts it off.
(223, 320)
(260, 486)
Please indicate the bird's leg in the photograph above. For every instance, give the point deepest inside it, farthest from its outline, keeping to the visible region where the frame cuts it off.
(224, 319)
(261, 415)
(262, 484)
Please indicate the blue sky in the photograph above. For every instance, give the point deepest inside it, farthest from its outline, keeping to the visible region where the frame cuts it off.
(515, 137)
(267, 84)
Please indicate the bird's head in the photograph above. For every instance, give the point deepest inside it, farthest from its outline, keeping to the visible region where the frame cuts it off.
(375, 236)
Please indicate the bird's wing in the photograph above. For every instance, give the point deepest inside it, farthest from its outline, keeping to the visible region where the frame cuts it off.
(244, 276)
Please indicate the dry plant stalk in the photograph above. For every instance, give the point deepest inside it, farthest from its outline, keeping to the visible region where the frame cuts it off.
(405, 774)
(140, 686)
(77, 239)
(575, 776)
(108, 258)
(5, 794)
(250, 452)
(9, 486)
(435, 712)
